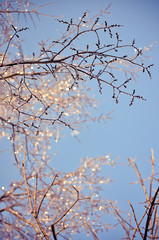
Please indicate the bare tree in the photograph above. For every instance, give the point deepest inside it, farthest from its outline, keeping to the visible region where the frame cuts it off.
(40, 96)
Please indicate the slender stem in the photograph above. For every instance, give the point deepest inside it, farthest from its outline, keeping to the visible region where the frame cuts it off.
(46, 194)
(26, 183)
(137, 224)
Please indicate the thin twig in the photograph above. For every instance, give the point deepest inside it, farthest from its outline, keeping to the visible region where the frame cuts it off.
(92, 232)
(135, 219)
(118, 214)
(46, 194)
(26, 183)
(139, 177)
(35, 194)
(139, 224)
(72, 205)
(152, 172)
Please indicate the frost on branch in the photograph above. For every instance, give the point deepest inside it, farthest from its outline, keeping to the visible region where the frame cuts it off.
(42, 95)
(70, 202)
(146, 224)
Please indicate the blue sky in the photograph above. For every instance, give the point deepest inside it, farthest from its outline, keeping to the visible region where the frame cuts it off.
(134, 130)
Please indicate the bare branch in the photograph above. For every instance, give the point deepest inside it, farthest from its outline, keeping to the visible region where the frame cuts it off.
(44, 196)
(150, 213)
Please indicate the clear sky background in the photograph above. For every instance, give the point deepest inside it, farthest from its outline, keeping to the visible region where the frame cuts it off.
(134, 130)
